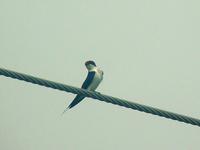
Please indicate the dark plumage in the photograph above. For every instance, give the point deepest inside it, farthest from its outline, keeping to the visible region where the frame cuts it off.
(85, 85)
(90, 62)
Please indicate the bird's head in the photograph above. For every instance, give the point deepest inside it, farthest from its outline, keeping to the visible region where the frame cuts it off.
(90, 64)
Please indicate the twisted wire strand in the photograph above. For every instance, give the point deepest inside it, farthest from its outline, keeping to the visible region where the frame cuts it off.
(101, 97)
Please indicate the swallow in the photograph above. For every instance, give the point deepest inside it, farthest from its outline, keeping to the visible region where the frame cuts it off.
(92, 81)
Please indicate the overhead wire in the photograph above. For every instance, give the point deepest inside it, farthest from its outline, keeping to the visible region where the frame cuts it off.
(99, 96)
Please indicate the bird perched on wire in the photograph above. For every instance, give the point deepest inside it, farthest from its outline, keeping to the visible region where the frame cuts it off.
(92, 81)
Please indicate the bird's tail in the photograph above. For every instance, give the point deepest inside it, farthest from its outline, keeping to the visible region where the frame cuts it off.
(76, 100)
(65, 110)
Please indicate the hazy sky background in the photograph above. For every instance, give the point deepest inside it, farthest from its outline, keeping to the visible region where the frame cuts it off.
(150, 54)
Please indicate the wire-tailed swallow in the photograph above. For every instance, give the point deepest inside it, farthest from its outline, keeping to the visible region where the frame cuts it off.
(94, 77)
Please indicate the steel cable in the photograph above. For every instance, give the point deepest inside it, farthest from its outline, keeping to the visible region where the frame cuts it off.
(101, 97)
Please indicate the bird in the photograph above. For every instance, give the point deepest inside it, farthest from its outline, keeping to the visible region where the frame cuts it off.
(92, 81)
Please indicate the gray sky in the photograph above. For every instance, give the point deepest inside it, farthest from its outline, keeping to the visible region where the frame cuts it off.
(150, 54)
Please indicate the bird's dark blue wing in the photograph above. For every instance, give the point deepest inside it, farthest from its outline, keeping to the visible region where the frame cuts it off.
(85, 85)
(88, 80)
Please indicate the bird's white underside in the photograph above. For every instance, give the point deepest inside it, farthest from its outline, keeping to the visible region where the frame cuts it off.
(97, 79)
